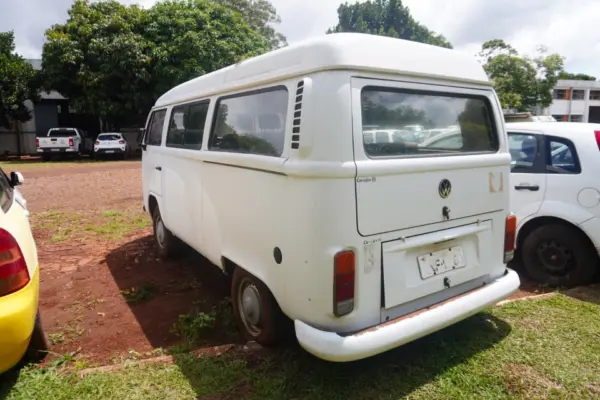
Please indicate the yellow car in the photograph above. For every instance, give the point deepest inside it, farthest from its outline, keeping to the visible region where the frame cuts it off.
(21, 331)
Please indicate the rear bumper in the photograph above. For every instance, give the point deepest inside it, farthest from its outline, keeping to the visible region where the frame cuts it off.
(110, 151)
(378, 339)
(17, 319)
(54, 150)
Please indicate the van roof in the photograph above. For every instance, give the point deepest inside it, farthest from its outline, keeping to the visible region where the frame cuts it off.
(338, 51)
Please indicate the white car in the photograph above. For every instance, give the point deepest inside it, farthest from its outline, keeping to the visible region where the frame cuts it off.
(111, 144)
(555, 194)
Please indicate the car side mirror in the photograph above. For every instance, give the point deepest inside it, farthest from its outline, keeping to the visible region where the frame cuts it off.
(16, 179)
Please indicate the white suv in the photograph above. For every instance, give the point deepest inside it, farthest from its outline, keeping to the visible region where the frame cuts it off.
(555, 194)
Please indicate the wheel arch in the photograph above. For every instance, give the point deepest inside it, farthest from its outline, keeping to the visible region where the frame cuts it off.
(535, 223)
(152, 204)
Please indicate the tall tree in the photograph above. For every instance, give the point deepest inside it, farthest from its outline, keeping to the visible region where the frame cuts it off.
(113, 60)
(18, 82)
(521, 82)
(576, 77)
(261, 15)
(385, 18)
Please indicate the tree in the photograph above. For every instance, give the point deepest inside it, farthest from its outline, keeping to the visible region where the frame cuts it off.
(385, 18)
(259, 14)
(19, 82)
(521, 82)
(113, 60)
(576, 77)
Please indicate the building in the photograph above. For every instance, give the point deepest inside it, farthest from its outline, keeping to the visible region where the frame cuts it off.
(575, 101)
(45, 114)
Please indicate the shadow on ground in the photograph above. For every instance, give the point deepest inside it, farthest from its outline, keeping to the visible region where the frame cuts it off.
(290, 372)
(188, 292)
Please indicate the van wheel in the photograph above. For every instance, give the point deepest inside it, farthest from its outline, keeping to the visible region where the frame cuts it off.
(166, 243)
(256, 311)
(559, 255)
(38, 344)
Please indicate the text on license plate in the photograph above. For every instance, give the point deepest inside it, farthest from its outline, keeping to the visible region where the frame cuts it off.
(54, 149)
(110, 151)
(441, 261)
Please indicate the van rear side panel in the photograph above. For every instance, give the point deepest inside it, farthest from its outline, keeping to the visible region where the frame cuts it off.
(439, 186)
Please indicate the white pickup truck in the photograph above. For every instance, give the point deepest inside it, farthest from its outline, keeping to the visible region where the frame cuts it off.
(63, 141)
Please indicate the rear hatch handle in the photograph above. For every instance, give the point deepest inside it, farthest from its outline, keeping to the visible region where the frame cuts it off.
(525, 186)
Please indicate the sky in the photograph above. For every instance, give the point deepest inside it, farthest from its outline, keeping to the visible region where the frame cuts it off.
(565, 27)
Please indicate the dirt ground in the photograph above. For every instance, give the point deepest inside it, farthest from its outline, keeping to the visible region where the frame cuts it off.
(88, 278)
(105, 295)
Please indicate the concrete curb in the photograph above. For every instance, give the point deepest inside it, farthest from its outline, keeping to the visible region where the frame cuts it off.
(208, 352)
(534, 297)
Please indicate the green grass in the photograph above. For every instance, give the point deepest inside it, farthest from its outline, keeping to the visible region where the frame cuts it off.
(136, 295)
(545, 349)
(109, 224)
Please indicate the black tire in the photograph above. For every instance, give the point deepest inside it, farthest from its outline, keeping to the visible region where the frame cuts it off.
(46, 157)
(38, 344)
(167, 245)
(560, 256)
(269, 328)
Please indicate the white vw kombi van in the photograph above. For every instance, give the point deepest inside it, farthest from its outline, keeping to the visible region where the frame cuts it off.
(264, 168)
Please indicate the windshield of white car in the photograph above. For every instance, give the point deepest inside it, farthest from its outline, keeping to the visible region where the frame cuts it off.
(447, 123)
(110, 137)
(62, 133)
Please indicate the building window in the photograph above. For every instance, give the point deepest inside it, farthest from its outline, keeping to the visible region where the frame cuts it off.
(559, 118)
(594, 94)
(559, 94)
(578, 95)
(576, 118)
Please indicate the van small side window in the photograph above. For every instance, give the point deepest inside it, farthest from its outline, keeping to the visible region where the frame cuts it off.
(421, 124)
(155, 128)
(186, 127)
(251, 123)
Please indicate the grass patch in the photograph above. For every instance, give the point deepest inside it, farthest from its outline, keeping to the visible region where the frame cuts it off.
(140, 294)
(547, 348)
(108, 224)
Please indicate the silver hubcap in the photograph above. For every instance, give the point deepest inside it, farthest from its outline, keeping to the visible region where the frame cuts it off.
(250, 307)
(160, 232)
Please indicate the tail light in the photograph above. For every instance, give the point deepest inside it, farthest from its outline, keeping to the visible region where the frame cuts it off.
(597, 133)
(13, 269)
(71, 142)
(510, 235)
(121, 142)
(343, 283)
(97, 142)
(37, 142)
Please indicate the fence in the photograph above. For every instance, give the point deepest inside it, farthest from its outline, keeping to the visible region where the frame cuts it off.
(8, 143)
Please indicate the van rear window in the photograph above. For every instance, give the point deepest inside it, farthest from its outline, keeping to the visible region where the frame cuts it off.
(416, 123)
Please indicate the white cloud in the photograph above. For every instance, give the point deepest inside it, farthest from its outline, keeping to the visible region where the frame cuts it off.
(565, 27)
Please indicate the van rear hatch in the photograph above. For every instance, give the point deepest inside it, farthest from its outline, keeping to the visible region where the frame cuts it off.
(441, 196)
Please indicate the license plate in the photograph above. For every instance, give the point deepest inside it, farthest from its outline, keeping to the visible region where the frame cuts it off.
(54, 149)
(441, 261)
(110, 151)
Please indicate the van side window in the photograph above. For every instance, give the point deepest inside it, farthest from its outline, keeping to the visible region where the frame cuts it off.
(426, 123)
(155, 128)
(252, 123)
(186, 127)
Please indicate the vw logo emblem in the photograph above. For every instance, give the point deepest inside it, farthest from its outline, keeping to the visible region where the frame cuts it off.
(444, 188)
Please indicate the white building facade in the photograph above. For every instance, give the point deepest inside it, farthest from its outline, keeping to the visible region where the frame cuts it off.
(575, 101)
